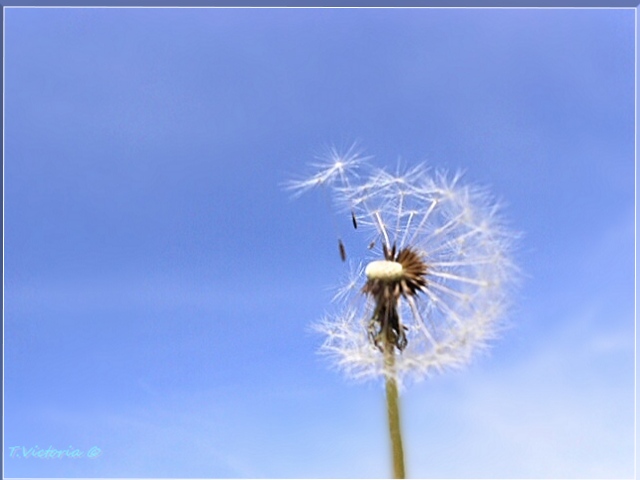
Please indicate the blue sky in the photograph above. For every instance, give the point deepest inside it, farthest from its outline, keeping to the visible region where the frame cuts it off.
(160, 284)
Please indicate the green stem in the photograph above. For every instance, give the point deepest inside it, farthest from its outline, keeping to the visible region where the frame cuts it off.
(393, 412)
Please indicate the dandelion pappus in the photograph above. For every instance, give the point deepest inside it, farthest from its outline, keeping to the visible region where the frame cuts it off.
(435, 294)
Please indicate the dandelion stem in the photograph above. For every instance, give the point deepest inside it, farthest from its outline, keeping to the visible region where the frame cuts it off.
(393, 412)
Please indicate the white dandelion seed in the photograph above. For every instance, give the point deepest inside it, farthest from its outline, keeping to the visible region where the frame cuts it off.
(435, 290)
(331, 168)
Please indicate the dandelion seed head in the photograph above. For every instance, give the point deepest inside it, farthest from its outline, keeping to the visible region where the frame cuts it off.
(435, 287)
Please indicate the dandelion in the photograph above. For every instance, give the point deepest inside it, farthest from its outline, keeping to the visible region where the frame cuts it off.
(436, 282)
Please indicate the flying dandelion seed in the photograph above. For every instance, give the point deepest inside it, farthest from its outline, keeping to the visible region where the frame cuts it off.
(436, 290)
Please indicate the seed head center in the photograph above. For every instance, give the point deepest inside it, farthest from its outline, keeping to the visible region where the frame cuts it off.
(384, 270)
